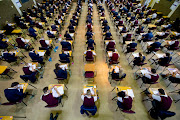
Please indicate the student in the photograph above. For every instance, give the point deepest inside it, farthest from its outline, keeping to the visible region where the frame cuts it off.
(161, 102)
(115, 57)
(172, 44)
(138, 60)
(124, 101)
(35, 56)
(20, 40)
(131, 46)
(71, 28)
(110, 46)
(32, 32)
(54, 28)
(164, 60)
(106, 28)
(49, 98)
(89, 100)
(117, 72)
(64, 56)
(67, 36)
(89, 35)
(90, 43)
(150, 77)
(10, 57)
(148, 36)
(89, 27)
(50, 33)
(153, 46)
(3, 44)
(14, 93)
(60, 73)
(108, 35)
(66, 45)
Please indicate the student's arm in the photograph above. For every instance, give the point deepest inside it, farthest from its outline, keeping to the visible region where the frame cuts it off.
(57, 91)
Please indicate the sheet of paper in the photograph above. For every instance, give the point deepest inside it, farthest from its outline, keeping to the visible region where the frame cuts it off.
(130, 92)
(64, 66)
(71, 34)
(135, 54)
(60, 90)
(110, 54)
(85, 90)
(27, 40)
(41, 53)
(160, 55)
(145, 72)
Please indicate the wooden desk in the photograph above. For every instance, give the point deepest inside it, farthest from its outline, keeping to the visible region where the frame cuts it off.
(154, 91)
(151, 26)
(42, 52)
(15, 51)
(2, 69)
(89, 67)
(67, 52)
(113, 67)
(7, 40)
(6, 117)
(90, 86)
(25, 85)
(16, 31)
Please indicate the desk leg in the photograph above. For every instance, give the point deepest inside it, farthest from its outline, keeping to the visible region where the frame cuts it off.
(114, 97)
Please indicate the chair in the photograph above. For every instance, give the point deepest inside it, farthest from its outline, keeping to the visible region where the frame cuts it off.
(9, 58)
(43, 43)
(89, 56)
(61, 79)
(89, 74)
(20, 43)
(154, 81)
(118, 79)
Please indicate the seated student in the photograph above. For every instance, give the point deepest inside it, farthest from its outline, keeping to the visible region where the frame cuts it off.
(115, 57)
(131, 46)
(67, 36)
(73, 22)
(66, 45)
(160, 21)
(49, 98)
(89, 27)
(3, 44)
(54, 28)
(60, 73)
(133, 18)
(50, 33)
(9, 56)
(71, 28)
(43, 19)
(14, 93)
(104, 23)
(30, 73)
(150, 77)
(124, 30)
(117, 72)
(89, 35)
(161, 102)
(172, 44)
(90, 43)
(164, 60)
(47, 42)
(53, 118)
(35, 56)
(22, 25)
(106, 28)
(108, 35)
(64, 56)
(124, 101)
(154, 16)
(153, 46)
(32, 32)
(110, 46)
(89, 100)
(57, 22)
(148, 36)
(174, 77)
(9, 28)
(89, 53)
(38, 25)
(139, 60)
(89, 20)
(147, 21)
(22, 42)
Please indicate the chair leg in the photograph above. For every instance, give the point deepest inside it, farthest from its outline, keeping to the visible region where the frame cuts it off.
(177, 100)
(117, 108)
(114, 97)
(141, 85)
(177, 85)
(33, 86)
(24, 103)
(168, 84)
(113, 89)
(66, 86)
(61, 104)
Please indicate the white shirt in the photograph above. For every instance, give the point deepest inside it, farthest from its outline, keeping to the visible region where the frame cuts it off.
(154, 15)
(90, 50)
(158, 98)
(50, 32)
(120, 98)
(95, 97)
(149, 75)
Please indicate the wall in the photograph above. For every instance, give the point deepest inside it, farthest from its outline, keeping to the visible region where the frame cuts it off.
(7, 12)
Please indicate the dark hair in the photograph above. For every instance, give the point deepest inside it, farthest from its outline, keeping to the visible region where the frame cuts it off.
(14, 84)
(121, 94)
(45, 89)
(153, 70)
(167, 54)
(57, 66)
(161, 91)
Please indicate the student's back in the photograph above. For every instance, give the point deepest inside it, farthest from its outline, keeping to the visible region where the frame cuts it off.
(127, 103)
(88, 102)
(13, 95)
(50, 100)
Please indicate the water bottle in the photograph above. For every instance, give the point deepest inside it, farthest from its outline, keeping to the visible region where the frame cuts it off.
(50, 59)
(55, 49)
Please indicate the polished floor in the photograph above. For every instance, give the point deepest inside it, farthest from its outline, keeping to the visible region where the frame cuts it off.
(71, 110)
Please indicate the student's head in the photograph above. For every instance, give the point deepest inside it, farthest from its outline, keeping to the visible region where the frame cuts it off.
(88, 92)
(66, 32)
(168, 54)
(149, 31)
(140, 54)
(153, 71)
(156, 39)
(133, 39)
(14, 84)
(121, 94)
(161, 91)
(48, 29)
(45, 89)
(57, 65)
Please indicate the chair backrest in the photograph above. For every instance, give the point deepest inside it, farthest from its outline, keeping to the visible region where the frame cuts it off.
(43, 43)
(20, 43)
(27, 71)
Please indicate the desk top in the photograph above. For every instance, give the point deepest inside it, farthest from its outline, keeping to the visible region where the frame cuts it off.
(7, 40)
(6, 117)
(128, 90)
(154, 91)
(58, 85)
(15, 51)
(2, 69)
(151, 25)
(89, 67)
(90, 86)
(2, 31)
(16, 31)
